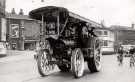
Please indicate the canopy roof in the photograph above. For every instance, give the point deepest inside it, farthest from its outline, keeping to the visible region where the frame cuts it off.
(50, 13)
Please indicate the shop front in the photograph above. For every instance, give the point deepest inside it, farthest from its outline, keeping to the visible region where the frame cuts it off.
(30, 44)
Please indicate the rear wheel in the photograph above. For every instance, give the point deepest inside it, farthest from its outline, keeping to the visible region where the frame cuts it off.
(94, 64)
(77, 63)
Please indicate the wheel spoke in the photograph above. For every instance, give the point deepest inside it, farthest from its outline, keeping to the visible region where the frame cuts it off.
(97, 62)
(94, 64)
(78, 63)
(45, 66)
(97, 58)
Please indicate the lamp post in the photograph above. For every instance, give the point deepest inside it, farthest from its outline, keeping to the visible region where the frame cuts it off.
(22, 38)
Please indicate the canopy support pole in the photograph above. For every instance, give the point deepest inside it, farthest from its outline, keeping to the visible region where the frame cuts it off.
(63, 28)
(42, 28)
(58, 24)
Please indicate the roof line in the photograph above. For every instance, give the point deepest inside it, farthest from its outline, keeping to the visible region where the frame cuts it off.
(82, 18)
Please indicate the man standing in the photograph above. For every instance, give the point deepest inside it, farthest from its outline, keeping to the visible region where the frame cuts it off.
(132, 56)
(120, 55)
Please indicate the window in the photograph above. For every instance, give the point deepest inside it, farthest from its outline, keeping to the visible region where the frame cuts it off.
(98, 33)
(102, 32)
(51, 28)
(105, 43)
(105, 33)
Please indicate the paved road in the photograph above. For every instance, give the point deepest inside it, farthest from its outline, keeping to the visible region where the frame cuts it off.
(22, 68)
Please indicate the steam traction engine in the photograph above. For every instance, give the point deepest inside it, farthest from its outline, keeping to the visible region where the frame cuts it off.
(66, 41)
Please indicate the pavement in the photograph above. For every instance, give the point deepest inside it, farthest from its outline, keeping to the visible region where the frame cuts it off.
(15, 55)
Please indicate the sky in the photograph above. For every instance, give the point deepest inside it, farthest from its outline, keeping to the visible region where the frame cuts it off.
(113, 12)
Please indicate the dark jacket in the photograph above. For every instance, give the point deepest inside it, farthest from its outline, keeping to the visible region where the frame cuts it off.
(120, 51)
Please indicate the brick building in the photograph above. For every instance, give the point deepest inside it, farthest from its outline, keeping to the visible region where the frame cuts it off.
(124, 35)
(22, 32)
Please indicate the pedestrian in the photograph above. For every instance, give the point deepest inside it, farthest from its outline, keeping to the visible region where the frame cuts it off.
(120, 55)
(132, 56)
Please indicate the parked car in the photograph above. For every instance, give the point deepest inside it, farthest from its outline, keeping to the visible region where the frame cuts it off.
(126, 49)
(3, 49)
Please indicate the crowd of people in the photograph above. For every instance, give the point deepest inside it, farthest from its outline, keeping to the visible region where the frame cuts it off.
(131, 53)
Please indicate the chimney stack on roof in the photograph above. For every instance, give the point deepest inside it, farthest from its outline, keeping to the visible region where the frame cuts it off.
(13, 11)
(133, 26)
(21, 12)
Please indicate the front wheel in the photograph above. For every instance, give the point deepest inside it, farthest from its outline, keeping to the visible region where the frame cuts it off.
(44, 67)
(77, 63)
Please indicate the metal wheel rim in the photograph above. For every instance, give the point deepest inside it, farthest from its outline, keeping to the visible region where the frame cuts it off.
(79, 64)
(45, 66)
(97, 59)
